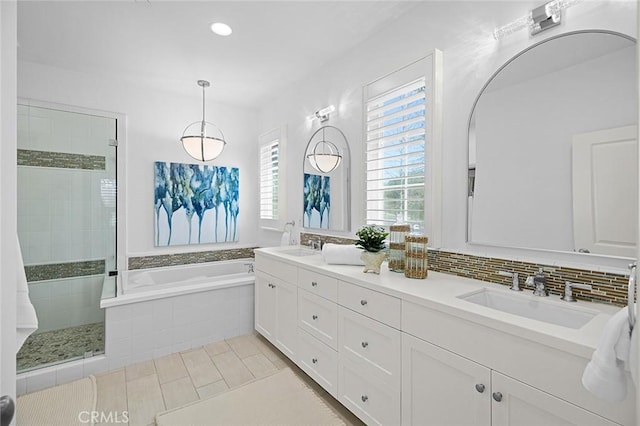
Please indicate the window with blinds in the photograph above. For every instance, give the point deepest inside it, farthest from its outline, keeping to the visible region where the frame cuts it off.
(395, 125)
(271, 178)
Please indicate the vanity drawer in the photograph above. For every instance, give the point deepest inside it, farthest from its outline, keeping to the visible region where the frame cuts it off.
(373, 304)
(284, 271)
(372, 401)
(319, 361)
(375, 347)
(318, 317)
(319, 284)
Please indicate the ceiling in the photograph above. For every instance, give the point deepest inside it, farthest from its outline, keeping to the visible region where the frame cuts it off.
(168, 44)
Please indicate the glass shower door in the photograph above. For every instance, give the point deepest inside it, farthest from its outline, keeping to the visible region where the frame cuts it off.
(67, 229)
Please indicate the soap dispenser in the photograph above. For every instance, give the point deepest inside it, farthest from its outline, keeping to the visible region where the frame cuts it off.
(540, 283)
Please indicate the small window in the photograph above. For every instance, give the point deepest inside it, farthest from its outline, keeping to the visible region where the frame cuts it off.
(272, 145)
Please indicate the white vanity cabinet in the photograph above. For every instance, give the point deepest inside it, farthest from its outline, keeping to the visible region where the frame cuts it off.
(395, 352)
(442, 388)
(318, 328)
(276, 304)
(493, 378)
(369, 348)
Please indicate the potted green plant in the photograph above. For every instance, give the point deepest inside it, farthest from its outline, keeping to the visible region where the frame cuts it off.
(371, 239)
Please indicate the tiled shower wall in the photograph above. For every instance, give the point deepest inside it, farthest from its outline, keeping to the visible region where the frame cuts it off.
(66, 212)
(607, 287)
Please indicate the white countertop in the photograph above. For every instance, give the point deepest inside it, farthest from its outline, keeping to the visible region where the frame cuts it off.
(439, 292)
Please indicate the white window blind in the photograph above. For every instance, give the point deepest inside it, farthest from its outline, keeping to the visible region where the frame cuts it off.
(271, 178)
(395, 126)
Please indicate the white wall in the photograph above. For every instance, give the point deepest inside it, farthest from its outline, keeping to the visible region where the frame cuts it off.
(8, 227)
(154, 123)
(463, 31)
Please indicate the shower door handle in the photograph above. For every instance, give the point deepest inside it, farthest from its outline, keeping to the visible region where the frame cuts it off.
(7, 409)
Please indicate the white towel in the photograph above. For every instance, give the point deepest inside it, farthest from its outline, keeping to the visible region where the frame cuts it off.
(341, 254)
(286, 239)
(26, 319)
(605, 376)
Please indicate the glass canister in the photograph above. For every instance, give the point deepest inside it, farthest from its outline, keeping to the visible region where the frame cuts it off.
(397, 232)
(416, 256)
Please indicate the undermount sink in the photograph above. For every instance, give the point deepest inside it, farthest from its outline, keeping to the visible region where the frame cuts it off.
(299, 251)
(533, 307)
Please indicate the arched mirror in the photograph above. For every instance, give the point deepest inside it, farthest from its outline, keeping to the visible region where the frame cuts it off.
(553, 148)
(326, 189)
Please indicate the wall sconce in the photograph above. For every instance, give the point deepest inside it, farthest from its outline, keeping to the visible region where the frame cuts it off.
(203, 140)
(537, 20)
(325, 156)
(322, 114)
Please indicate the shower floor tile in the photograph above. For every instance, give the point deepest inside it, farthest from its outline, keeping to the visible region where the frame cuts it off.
(56, 346)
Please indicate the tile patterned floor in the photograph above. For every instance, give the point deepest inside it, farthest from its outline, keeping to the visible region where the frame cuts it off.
(160, 384)
(52, 347)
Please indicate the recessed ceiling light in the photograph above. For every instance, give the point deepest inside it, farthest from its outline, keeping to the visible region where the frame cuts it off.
(221, 29)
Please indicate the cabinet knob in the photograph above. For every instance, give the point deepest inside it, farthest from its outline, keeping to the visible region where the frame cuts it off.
(363, 302)
(314, 360)
(364, 398)
(497, 396)
(480, 387)
(270, 285)
(315, 317)
(365, 344)
(314, 284)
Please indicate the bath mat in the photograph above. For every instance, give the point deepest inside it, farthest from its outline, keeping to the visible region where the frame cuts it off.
(63, 405)
(279, 399)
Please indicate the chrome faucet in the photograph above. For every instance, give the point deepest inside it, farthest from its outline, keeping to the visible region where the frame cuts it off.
(316, 244)
(539, 284)
(515, 283)
(568, 290)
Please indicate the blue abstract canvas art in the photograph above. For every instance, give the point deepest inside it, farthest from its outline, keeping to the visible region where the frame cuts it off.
(317, 201)
(195, 204)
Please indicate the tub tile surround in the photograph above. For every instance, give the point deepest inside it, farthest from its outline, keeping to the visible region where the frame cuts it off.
(176, 259)
(608, 287)
(141, 331)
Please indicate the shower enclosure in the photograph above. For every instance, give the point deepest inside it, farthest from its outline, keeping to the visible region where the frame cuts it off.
(67, 228)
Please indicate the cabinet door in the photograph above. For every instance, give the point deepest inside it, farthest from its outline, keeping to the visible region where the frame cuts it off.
(442, 388)
(523, 405)
(265, 306)
(286, 317)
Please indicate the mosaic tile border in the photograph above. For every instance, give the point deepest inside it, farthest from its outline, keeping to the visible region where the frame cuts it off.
(54, 271)
(607, 287)
(60, 160)
(162, 260)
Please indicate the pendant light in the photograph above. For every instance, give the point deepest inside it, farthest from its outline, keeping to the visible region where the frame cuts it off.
(203, 140)
(325, 156)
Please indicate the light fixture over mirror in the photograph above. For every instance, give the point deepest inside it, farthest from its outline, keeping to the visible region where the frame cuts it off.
(537, 20)
(202, 140)
(325, 156)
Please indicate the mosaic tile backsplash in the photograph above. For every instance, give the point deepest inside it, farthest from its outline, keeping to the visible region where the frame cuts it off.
(63, 160)
(607, 287)
(54, 271)
(162, 260)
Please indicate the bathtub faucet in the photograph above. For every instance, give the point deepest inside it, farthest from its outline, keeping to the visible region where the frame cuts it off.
(250, 267)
